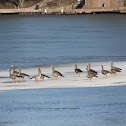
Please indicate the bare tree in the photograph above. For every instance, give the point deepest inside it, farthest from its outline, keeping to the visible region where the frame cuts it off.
(15, 2)
(21, 2)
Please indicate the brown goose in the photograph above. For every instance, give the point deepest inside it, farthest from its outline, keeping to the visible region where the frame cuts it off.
(22, 75)
(15, 72)
(114, 69)
(77, 71)
(105, 72)
(91, 70)
(36, 77)
(12, 76)
(90, 74)
(56, 73)
(43, 76)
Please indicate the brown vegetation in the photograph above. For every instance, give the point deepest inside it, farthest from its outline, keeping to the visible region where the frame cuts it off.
(9, 4)
(61, 3)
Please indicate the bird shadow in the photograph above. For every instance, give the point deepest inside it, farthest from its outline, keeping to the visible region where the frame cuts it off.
(4, 77)
(13, 83)
(120, 82)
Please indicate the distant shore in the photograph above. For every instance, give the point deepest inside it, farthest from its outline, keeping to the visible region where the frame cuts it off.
(61, 11)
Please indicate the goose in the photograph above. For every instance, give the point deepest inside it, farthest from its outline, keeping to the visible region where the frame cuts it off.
(14, 72)
(77, 71)
(114, 66)
(43, 76)
(56, 73)
(36, 77)
(91, 70)
(90, 74)
(22, 75)
(12, 76)
(105, 72)
(114, 69)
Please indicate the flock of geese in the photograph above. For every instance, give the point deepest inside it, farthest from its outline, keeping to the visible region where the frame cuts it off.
(15, 75)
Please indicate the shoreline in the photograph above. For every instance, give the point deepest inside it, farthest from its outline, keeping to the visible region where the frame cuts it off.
(60, 11)
(69, 80)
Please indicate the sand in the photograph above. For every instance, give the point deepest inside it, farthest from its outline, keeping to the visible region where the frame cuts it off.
(69, 80)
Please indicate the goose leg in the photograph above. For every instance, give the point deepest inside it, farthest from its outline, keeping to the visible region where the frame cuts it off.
(13, 81)
(90, 79)
(16, 80)
(56, 78)
(105, 76)
(23, 80)
(42, 80)
(36, 80)
(114, 74)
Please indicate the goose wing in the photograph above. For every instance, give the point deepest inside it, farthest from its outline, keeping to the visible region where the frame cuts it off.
(24, 75)
(104, 72)
(93, 72)
(116, 68)
(44, 76)
(35, 77)
(78, 70)
(57, 73)
(16, 73)
(91, 75)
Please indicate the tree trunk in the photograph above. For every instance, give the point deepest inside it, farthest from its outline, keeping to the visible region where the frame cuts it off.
(21, 3)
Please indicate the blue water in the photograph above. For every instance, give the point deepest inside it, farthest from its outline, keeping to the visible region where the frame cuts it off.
(28, 41)
(98, 106)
